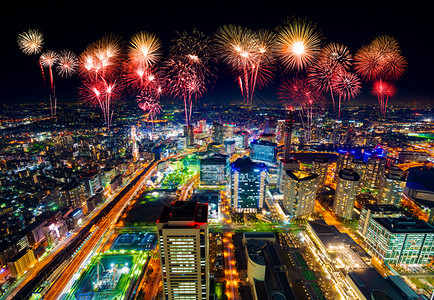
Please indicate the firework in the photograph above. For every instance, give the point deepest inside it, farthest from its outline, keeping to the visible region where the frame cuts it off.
(250, 56)
(382, 59)
(189, 68)
(299, 93)
(143, 53)
(347, 85)
(100, 69)
(67, 63)
(383, 90)
(47, 60)
(298, 44)
(31, 41)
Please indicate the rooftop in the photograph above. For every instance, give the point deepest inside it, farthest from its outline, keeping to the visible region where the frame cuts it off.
(382, 208)
(405, 225)
(301, 175)
(185, 211)
(372, 285)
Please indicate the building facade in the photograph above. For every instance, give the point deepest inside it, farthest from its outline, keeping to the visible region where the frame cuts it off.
(300, 193)
(401, 240)
(247, 185)
(376, 211)
(345, 195)
(214, 170)
(184, 251)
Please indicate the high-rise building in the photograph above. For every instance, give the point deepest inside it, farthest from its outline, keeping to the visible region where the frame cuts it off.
(391, 187)
(299, 193)
(229, 147)
(189, 135)
(184, 250)
(376, 211)
(241, 139)
(359, 166)
(270, 125)
(135, 149)
(263, 151)
(217, 133)
(401, 240)
(290, 164)
(228, 131)
(247, 185)
(343, 162)
(345, 195)
(320, 167)
(375, 169)
(214, 170)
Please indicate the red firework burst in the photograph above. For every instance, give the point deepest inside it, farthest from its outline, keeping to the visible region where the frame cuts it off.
(382, 59)
(383, 90)
(346, 86)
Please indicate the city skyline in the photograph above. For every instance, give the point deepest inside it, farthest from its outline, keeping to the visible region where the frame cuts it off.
(348, 26)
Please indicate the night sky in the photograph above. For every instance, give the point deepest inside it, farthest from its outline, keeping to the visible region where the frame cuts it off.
(74, 24)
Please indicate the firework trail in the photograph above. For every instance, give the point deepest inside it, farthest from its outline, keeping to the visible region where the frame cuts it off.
(332, 61)
(383, 90)
(250, 56)
(100, 69)
(189, 68)
(347, 85)
(47, 60)
(378, 62)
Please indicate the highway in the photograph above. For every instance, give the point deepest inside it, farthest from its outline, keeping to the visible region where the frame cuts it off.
(103, 230)
(44, 263)
(231, 274)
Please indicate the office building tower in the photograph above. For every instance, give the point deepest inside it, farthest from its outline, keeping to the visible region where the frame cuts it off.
(263, 151)
(135, 149)
(247, 185)
(345, 195)
(343, 162)
(228, 131)
(391, 187)
(401, 240)
(184, 250)
(375, 169)
(359, 166)
(299, 193)
(229, 147)
(289, 165)
(376, 211)
(214, 170)
(189, 135)
(217, 133)
(241, 139)
(320, 167)
(270, 125)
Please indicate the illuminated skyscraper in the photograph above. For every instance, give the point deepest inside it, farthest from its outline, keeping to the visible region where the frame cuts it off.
(189, 135)
(299, 193)
(345, 195)
(247, 185)
(184, 250)
(344, 161)
(286, 163)
(319, 167)
(359, 166)
(217, 133)
(375, 169)
(263, 151)
(391, 187)
(134, 141)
